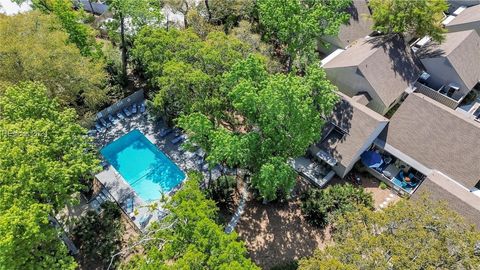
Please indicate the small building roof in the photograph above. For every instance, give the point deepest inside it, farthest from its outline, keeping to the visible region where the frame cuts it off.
(359, 25)
(462, 49)
(470, 14)
(439, 188)
(353, 125)
(437, 137)
(387, 64)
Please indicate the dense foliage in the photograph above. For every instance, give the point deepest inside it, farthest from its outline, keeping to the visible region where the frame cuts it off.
(418, 18)
(407, 235)
(322, 206)
(186, 68)
(34, 48)
(297, 24)
(222, 191)
(45, 156)
(98, 235)
(190, 238)
(267, 118)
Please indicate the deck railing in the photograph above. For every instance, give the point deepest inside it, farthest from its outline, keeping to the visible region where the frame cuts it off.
(435, 95)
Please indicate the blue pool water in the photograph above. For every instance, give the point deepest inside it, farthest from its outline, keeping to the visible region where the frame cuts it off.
(147, 169)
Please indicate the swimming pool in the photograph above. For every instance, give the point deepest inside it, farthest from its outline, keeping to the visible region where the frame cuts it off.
(147, 169)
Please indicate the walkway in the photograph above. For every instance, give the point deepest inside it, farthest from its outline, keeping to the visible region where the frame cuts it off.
(236, 217)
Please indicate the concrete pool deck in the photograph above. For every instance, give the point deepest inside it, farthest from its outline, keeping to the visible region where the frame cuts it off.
(116, 185)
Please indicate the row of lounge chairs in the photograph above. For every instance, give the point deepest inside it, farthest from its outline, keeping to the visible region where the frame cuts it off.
(164, 132)
(103, 124)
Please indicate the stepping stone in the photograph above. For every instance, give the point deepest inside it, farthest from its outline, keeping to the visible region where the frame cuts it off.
(391, 195)
(388, 199)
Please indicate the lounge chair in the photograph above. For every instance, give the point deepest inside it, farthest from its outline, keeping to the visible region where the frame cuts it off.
(134, 108)
(161, 214)
(165, 131)
(95, 205)
(112, 119)
(129, 205)
(142, 107)
(99, 128)
(120, 116)
(178, 139)
(105, 123)
(127, 112)
(144, 220)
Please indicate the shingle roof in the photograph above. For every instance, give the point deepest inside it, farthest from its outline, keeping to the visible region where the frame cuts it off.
(359, 25)
(437, 137)
(470, 14)
(462, 49)
(388, 65)
(461, 201)
(359, 123)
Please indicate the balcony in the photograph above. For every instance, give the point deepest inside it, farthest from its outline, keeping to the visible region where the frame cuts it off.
(448, 95)
(403, 178)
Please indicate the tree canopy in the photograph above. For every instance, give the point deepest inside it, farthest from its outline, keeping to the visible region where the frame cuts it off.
(418, 18)
(190, 238)
(35, 48)
(297, 24)
(407, 235)
(267, 118)
(45, 157)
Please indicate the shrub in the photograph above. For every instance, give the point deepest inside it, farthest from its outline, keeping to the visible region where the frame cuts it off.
(382, 185)
(222, 190)
(321, 206)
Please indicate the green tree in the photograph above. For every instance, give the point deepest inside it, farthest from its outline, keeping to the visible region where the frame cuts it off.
(79, 33)
(407, 235)
(274, 176)
(35, 49)
(297, 24)
(187, 69)
(138, 13)
(45, 156)
(418, 18)
(322, 206)
(98, 235)
(267, 118)
(28, 239)
(189, 238)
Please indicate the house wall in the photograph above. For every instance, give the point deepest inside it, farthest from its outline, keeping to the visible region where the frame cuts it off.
(463, 27)
(334, 43)
(458, 3)
(350, 83)
(441, 71)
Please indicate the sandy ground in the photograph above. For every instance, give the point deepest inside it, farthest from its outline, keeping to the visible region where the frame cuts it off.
(277, 233)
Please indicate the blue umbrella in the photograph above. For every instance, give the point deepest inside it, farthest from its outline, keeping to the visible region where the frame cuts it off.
(371, 159)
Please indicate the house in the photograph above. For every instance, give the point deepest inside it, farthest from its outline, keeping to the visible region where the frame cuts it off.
(385, 69)
(464, 18)
(428, 137)
(350, 130)
(359, 25)
(452, 67)
(439, 188)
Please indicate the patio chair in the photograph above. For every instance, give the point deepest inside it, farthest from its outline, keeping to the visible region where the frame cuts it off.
(95, 205)
(127, 112)
(99, 128)
(161, 214)
(112, 119)
(164, 132)
(134, 108)
(142, 107)
(144, 220)
(129, 205)
(178, 139)
(105, 123)
(120, 116)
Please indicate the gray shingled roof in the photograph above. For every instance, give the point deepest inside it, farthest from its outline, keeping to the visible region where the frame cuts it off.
(359, 25)
(462, 49)
(387, 64)
(463, 202)
(359, 123)
(471, 14)
(437, 137)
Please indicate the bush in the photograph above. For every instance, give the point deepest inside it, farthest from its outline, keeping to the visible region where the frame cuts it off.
(98, 236)
(382, 185)
(321, 206)
(291, 265)
(222, 190)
